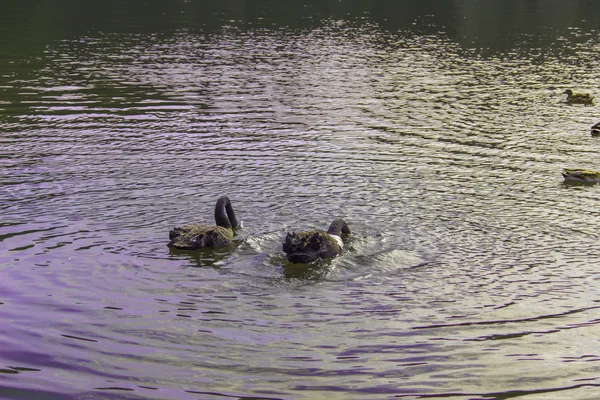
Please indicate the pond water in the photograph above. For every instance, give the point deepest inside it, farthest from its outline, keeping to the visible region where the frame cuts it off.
(437, 130)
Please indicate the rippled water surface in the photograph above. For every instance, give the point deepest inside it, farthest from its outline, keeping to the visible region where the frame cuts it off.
(472, 270)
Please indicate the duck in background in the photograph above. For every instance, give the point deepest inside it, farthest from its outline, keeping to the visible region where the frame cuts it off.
(580, 176)
(595, 129)
(192, 237)
(578, 98)
(308, 246)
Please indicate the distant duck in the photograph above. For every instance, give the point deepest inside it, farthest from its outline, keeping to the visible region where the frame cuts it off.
(578, 98)
(596, 129)
(192, 237)
(581, 176)
(308, 246)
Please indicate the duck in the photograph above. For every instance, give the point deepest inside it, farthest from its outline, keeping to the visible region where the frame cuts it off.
(580, 176)
(595, 129)
(578, 98)
(308, 246)
(193, 237)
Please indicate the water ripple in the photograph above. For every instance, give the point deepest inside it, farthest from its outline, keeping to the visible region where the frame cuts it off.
(469, 258)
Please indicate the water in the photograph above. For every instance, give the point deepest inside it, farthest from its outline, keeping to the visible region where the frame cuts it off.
(438, 130)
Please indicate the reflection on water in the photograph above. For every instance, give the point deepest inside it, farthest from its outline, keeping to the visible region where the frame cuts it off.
(471, 270)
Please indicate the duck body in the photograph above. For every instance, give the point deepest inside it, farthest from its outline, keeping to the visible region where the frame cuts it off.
(193, 237)
(581, 176)
(578, 98)
(595, 129)
(198, 236)
(308, 246)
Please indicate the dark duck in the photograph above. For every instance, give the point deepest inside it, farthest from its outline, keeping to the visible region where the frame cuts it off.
(308, 246)
(578, 98)
(580, 176)
(595, 129)
(192, 237)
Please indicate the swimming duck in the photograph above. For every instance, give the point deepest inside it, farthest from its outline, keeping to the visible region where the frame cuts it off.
(192, 237)
(596, 129)
(308, 246)
(581, 176)
(578, 98)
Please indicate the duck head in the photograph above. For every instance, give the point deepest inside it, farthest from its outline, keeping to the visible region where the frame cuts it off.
(337, 227)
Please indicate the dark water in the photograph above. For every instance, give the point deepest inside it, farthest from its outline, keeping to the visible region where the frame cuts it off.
(437, 129)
